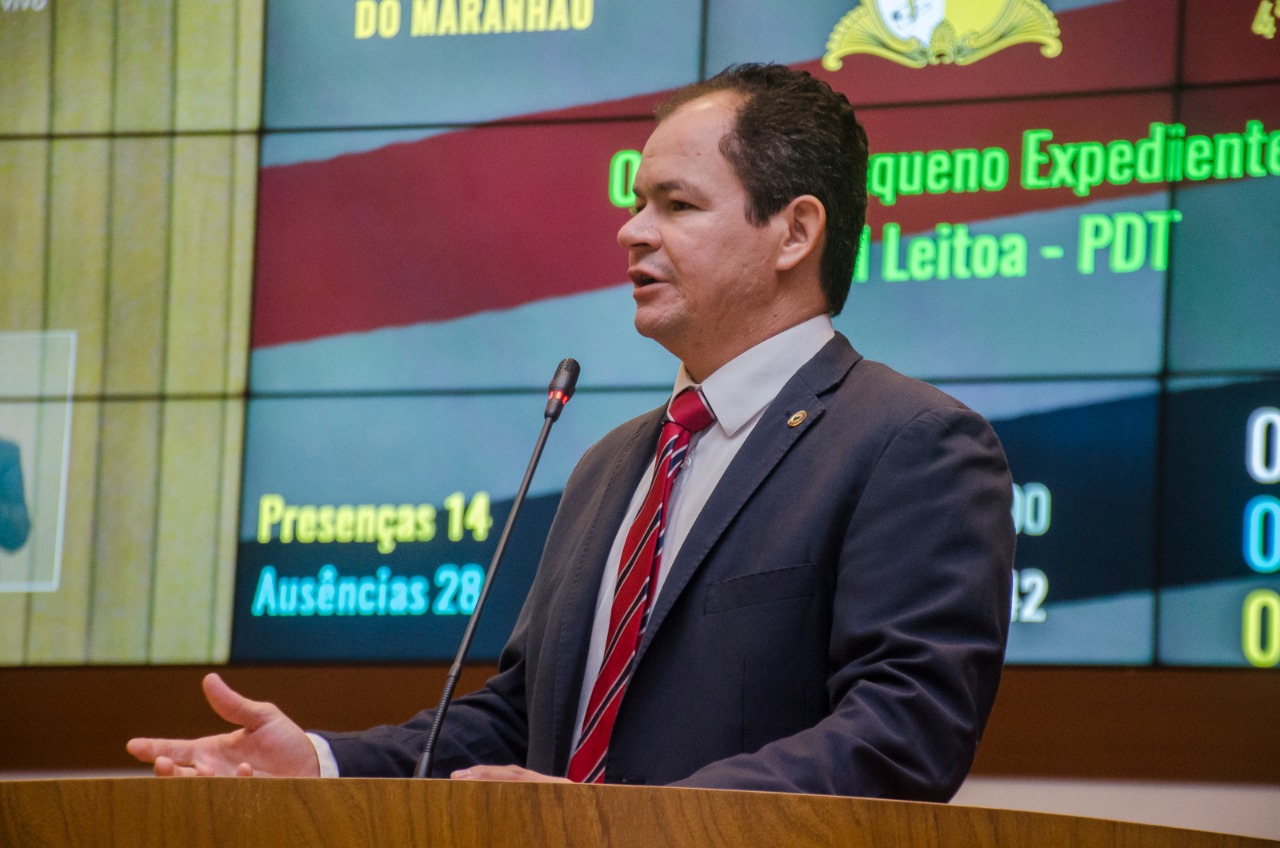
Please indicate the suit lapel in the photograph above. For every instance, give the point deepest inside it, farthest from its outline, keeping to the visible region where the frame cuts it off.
(770, 441)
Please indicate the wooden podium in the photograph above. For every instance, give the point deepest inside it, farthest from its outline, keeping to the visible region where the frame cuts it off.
(267, 812)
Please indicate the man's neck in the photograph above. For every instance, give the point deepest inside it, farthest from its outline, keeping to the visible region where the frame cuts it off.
(702, 364)
(814, 331)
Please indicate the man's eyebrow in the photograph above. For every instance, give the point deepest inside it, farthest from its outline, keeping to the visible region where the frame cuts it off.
(669, 186)
(664, 188)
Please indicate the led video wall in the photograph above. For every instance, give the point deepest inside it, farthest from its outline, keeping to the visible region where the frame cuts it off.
(1072, 230)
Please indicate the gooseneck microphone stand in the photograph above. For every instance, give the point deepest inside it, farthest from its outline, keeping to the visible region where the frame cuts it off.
(559, 392)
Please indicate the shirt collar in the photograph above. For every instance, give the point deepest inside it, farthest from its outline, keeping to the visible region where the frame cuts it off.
(741, 388)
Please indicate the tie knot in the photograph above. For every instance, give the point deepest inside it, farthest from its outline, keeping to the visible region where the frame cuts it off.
(690, 412)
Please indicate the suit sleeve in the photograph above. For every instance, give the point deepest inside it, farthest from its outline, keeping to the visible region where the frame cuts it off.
(919, 625)
(485, 726)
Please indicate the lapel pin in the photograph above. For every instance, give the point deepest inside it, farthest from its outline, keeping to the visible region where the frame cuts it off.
(797, 419)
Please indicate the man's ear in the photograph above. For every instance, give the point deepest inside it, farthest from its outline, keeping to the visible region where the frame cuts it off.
(805, 221)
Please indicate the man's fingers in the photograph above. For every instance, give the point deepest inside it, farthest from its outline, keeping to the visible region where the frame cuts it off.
(141, 749)
(165, 767)
(222, 754)
(505, 773)
(168, 767)
(232, 706)
(150, 750)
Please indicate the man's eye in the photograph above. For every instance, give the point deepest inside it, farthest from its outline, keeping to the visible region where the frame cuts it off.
(679, 205)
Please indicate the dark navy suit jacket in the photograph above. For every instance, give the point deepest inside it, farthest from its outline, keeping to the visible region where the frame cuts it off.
(834, 623)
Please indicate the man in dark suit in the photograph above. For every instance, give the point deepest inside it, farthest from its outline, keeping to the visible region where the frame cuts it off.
(824, 555)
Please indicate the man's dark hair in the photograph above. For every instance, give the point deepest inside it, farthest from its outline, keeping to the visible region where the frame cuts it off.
(794, 135)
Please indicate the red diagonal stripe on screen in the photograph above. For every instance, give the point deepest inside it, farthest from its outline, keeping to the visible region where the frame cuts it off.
(483, 219)
(493, 217)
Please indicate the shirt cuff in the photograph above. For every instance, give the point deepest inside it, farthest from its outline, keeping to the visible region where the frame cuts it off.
(328, 765)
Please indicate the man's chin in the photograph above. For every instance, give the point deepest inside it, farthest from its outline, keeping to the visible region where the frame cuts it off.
(642, 327)
(654, 326)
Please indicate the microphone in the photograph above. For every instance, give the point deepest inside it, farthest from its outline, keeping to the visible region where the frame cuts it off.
(558, 394)
(561, 388)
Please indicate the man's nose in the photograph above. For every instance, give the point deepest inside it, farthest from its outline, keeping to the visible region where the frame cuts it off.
(637, 231)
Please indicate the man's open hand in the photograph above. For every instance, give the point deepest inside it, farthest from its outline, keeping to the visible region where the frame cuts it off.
(267, 742)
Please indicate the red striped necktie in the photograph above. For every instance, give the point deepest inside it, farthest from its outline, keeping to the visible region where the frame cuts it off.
(637, 572)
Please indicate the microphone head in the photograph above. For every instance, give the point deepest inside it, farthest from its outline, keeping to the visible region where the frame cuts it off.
(562, 386)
